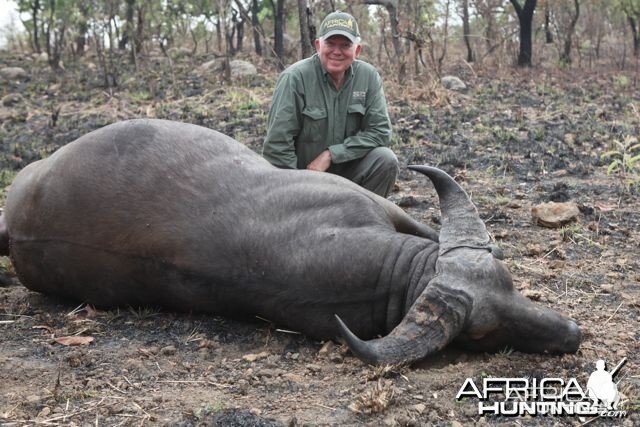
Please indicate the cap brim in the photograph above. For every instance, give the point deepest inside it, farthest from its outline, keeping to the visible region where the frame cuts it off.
(340, 33)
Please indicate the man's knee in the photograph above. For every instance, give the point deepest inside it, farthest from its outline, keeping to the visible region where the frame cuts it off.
(383, 171)
(384, 158)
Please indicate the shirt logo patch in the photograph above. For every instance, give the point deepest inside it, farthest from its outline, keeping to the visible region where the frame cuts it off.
(359, 96)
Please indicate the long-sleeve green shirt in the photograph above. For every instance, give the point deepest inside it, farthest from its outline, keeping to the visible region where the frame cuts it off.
(308, 115)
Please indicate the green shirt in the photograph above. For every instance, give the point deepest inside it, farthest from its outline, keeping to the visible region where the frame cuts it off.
(308, 115)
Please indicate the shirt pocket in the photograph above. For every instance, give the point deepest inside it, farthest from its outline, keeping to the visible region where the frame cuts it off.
(355, 114)
(314, 125)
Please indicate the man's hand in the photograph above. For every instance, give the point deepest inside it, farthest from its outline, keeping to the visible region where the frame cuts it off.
(321, 163)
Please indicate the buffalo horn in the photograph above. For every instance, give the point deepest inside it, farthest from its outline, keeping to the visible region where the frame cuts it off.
(461, 224)
(433, 321)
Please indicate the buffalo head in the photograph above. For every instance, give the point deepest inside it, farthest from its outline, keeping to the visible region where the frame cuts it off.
(470, 300)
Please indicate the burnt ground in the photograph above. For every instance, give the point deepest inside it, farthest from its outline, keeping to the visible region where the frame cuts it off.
(513, 139)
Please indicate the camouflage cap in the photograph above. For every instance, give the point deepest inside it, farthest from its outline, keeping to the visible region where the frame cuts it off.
(339, 23)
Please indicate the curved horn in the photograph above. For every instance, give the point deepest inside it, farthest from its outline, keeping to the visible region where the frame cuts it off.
(434, 320)
(461, 224)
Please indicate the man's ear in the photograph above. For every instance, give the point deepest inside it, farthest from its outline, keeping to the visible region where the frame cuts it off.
(317, 45)
(358, 49)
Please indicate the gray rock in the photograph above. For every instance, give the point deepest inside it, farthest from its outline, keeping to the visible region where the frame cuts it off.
(453, 83)
(13, 73)
(241, 69)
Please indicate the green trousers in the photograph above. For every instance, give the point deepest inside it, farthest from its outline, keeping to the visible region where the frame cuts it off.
(377, 171)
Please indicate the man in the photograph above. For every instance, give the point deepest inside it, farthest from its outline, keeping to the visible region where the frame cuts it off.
(329, 113)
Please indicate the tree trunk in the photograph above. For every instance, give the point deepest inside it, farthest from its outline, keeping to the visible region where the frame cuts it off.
(83, 28)
(128, 24)
(634, 32)
(466, 30)
(547, 27)
(140, 28)
(392, 9)
(305, 18)
(278, 33)
(525, 17)
(36, 24)
(566, 52)
(255, 23)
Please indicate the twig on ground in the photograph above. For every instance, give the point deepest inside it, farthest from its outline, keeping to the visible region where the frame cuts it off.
(614, 313)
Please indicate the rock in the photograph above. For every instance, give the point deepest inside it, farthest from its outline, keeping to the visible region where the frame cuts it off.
(554, 215)
(13, 73)
(453, 83)
(293, 377)
(241, 69)
(420, 408)
(326, 348)
(534, 249)
(168, 350)
(253, 357)
(12, 99)
(532, 294)
(313, 367)
(179, 52)
(214, 65)
(269, 373)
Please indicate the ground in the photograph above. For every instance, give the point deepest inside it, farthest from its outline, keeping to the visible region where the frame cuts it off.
(513, 140)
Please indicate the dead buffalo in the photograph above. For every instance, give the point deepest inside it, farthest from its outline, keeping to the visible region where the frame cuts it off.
(153, 212)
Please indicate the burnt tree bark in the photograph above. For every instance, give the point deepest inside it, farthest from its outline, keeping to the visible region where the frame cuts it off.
(128, 25)
(547, 25)
(306, 19)
(255, 23)
(278, 32)
(466, 30)
(633, 23)
(525, 18)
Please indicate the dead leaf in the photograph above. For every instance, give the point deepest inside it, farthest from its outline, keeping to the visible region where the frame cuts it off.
(73, 340)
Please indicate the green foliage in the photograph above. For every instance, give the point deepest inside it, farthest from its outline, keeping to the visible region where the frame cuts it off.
(621, 82)
(625, 160)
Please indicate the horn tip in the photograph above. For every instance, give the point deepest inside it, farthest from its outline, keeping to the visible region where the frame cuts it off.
(358, 347)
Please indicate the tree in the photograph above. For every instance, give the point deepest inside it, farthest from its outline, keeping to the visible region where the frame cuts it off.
(466, 29)
(631, 9)
(33, 7)
(525, 19)
(255, 24)
(565, 54)
(306, 19)
(278, 32)
(548, 35)
(392, 9)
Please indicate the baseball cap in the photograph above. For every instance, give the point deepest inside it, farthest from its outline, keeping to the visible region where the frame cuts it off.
(339, 23)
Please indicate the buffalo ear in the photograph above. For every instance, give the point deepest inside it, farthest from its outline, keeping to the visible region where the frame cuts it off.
(433, 321)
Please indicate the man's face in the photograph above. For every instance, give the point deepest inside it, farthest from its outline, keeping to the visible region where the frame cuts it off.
(337, 53)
